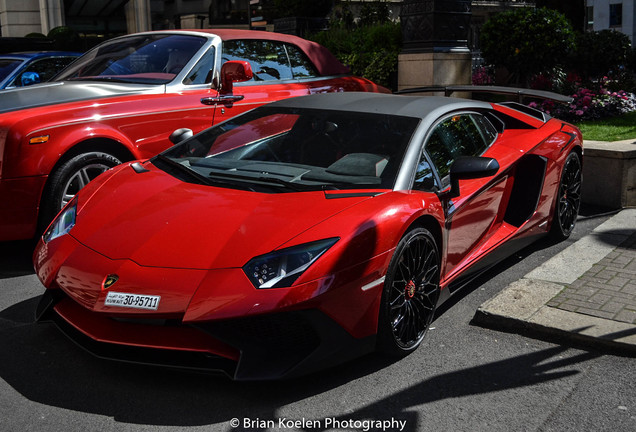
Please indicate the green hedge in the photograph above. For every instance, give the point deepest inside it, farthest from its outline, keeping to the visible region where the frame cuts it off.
(370, 51)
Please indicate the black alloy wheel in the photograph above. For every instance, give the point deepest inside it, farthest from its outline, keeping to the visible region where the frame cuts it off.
(411, 291)
(568, 199)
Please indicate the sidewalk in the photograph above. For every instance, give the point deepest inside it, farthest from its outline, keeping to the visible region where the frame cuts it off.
(585, 294)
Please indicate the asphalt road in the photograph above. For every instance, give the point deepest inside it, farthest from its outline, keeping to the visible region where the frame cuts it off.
(463, 378)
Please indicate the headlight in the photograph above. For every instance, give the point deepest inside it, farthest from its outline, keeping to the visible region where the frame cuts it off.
(62, 223)
(281, 268)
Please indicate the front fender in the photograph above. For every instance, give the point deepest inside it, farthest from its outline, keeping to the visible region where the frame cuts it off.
(36, 159)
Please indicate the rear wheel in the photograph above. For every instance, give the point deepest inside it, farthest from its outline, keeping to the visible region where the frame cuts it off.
(568, 202)
(69, 178)
(411, 291)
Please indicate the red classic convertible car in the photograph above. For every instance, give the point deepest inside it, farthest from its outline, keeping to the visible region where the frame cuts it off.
(121, 100)
(305, 232)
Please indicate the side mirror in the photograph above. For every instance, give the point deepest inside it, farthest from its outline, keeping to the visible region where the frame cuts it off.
(234, 71)
(29, 78)
(470, 167)
(180, 135)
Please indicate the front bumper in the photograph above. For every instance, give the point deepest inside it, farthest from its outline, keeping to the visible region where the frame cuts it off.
(207, 319)
(270, 346)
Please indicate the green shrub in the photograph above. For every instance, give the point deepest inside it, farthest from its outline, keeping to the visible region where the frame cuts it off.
(601, 52)
(302, 8)
(370, 51)
(65, 38)
(527, 41)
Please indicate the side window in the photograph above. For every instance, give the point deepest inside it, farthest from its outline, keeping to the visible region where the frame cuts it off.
(455, 136)
(424, 178)
(300, 64)
(45, 68)
(268, 58)
(439, 151)
(202, 71)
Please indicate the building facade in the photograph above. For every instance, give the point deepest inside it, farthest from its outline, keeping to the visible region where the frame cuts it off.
(107, 18)
(618, 15)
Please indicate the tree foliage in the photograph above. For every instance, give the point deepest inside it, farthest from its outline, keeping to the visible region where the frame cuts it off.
(302, 8)
(370, 47)
(601, 52)
(370, 51)
(527, 41)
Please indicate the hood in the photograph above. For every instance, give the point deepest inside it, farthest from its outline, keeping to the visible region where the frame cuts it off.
(67, 91)
(157, 220)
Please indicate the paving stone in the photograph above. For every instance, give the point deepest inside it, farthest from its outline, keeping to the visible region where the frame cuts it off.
(629, 288)
(626, 316)
(578, 303)
(602, 286)
(630, 303)
(612, 307)
(578, 283)
(596, 313)
(625, 272)
(572, 296)
(600, 298)
(594, 279)
(618, 281)
(606, 274)
(567, 307)
(621, 261)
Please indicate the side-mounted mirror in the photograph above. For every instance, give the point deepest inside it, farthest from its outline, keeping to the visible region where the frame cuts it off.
(470, 167)
(234, 71)
(29, 78)
(180, 135)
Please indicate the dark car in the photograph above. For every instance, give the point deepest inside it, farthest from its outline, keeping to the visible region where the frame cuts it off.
(27, 68)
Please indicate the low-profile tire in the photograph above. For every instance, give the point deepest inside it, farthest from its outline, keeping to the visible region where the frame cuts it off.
(411, 291)
(568, 199)
(68, 179)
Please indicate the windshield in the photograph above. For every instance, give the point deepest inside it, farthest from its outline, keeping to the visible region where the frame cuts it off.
(141, 59)
(7, 66)
(292, 149)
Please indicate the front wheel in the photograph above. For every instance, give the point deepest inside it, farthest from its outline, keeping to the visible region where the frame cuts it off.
(411, 291)
(568, 202)
(69, 178)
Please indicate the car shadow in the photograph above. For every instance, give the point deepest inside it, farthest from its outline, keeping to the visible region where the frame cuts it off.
(45, 367)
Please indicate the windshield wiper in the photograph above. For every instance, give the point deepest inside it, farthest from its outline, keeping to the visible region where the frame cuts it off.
(183, 169)
(268, 181)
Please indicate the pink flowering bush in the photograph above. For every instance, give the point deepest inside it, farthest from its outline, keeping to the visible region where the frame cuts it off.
(483, 75)
(590, 105)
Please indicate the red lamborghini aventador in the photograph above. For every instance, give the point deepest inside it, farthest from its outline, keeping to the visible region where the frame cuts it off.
(304, 232)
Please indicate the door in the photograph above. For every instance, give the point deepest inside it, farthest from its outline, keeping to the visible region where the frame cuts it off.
(473, 214)
(279, 72)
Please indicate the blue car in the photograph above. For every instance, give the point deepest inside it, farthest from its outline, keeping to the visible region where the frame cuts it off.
(23, 69)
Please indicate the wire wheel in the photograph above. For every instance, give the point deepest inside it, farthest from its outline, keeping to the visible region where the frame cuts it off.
(569, 198)
(81, 178)
(68, 179)
(410, 293)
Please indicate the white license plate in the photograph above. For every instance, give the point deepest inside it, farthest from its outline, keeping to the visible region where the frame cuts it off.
(135, 301)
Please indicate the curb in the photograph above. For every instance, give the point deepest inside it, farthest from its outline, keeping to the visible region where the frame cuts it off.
(521, 307)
